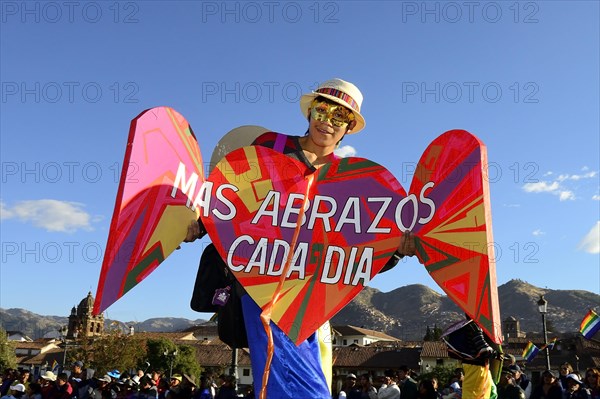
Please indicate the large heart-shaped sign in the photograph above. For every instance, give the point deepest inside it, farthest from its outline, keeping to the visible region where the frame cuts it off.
(339, 225)
(328, 232)
(456, 245)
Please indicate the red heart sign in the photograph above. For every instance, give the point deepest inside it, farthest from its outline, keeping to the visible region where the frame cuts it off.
(330, 231)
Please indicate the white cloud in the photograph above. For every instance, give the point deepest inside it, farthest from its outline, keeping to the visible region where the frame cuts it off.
(591, 242)
(560, 185)
(51, 215)
(588, 175)
(566, 195)
(538, 232)
(541, 187)
(5, 213)
(345, 151)
(596, 197)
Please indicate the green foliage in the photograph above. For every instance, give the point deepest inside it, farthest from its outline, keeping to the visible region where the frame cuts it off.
(444, 374)
(433, 335)
(161, 357)
(8, 358)
(114, 350)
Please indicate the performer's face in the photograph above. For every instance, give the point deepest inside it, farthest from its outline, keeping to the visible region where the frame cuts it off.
(329, 122)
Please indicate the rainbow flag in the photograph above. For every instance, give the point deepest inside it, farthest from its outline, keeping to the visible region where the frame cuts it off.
(590, 324)
(549, 345)
(55, 367)
(530, 351)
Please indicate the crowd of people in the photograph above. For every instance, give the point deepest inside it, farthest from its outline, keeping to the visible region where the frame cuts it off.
(74, 384)
(394, 384)
(513, 384)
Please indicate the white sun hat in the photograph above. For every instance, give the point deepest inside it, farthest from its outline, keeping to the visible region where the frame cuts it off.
(341, 92)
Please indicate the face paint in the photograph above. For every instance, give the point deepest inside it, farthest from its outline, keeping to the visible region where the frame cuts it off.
(324, 111)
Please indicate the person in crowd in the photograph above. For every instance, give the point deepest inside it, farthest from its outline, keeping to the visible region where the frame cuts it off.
(226, 387)
(62, 388)
(391, 389)
(508, 388)
(10, 376)
(147, 388)
(407, 385)
(204, 390)
(47, 380)
(426, 389)
(367, 390)
(16, 391)
(548, 387)
(23, 377)
(564, 370)
(350, 390)
(34, 391)
(521, 379)
(575, 388)
(175, 390)
(78, 380)
(592, 382)
(102, 385)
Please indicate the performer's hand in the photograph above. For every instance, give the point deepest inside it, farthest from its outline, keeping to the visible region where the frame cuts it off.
(194, 231)
(407, 245)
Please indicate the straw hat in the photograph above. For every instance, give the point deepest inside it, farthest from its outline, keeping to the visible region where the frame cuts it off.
(341, 92)
(49, 375)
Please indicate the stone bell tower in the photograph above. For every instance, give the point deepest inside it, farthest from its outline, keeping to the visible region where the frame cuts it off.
(82, 323)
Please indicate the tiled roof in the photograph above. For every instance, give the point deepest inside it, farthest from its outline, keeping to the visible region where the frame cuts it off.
(375, 357)
(31, 345)
(435, 349)
(41, 358)
(219, 355)
(352, 330)
(166, 335)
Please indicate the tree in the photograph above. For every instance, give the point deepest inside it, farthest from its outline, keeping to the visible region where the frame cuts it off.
(114, 350)
(433, 335)
(8, 359)
(161, 357)
(443, 374)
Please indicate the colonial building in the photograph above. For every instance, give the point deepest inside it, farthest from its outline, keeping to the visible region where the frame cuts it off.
(511, 327)
(82, 322)
(351, 335)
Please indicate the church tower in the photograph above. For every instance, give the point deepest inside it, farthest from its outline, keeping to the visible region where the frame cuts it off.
(512, 328)
(82, 323)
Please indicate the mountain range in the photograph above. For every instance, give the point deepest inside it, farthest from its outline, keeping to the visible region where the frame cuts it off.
(405, 312)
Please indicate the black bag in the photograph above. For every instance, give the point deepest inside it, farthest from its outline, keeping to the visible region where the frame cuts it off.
(213, 274)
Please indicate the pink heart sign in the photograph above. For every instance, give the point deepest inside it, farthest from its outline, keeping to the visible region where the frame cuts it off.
(330, 231)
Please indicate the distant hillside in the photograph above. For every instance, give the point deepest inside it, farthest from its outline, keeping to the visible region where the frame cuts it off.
(407, 311)
(404, 312)
(36, 326)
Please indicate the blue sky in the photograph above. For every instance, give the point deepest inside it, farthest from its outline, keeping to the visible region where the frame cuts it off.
(522, 76)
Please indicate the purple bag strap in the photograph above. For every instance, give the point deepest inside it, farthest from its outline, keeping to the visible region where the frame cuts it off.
(280, 140)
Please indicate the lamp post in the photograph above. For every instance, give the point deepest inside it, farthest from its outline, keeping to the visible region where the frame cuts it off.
(543, 308)
(64, 333)
(171, 357)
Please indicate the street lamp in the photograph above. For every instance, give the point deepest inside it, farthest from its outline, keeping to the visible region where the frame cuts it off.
(63, 335)
(171, 357)
(543, 308)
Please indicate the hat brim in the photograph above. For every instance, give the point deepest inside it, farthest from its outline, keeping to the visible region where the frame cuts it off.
(308, 98)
